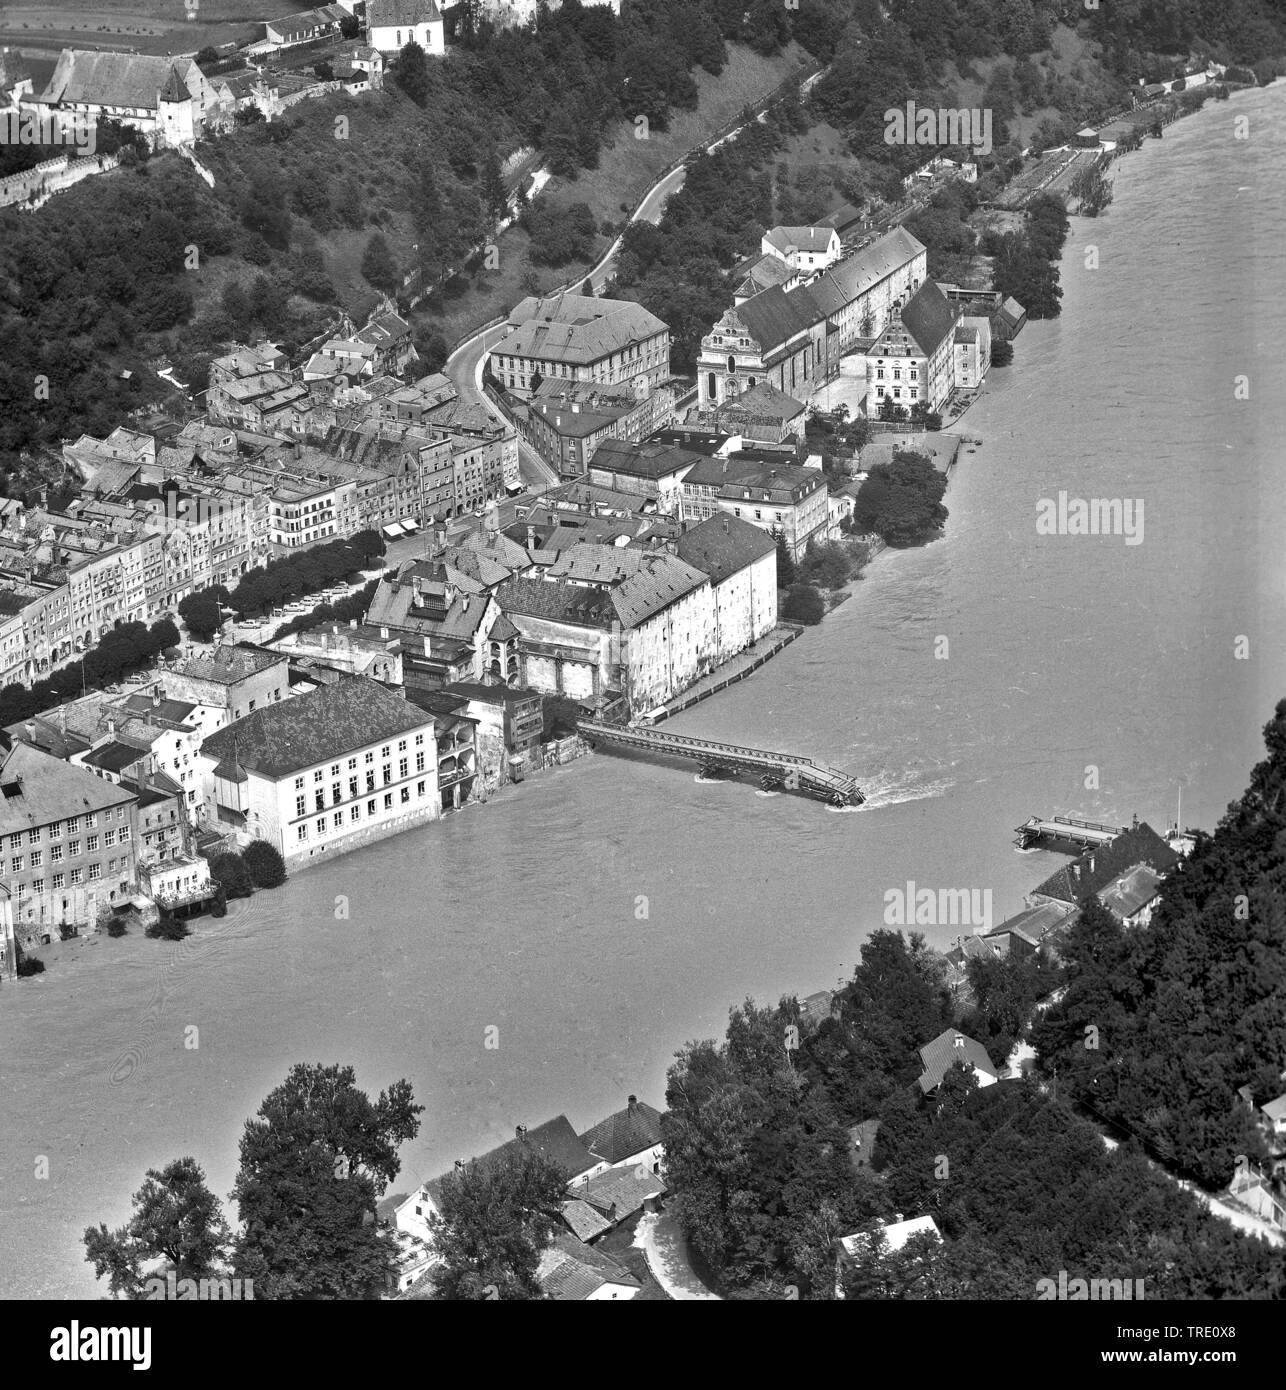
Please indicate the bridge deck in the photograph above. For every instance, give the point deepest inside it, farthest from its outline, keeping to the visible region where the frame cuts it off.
(811, 775)
(1085, 832)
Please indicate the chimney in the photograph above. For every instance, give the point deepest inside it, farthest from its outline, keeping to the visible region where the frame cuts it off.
(725, 526)
(957, 1040)
(30, 728)
(111, 724)
(383, 630)
(531, 537)
(520, 1132)
(634, 1100)
(1091, 863)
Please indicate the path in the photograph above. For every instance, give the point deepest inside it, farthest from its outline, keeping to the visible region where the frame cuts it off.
(667, 1257)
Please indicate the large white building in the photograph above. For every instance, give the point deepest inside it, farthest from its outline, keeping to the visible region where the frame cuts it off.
(325, 772)
(575, 337)
(741, 561)
(392, 24)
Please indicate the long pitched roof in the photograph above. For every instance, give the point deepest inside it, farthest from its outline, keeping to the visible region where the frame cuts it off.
(326, 723)
(384, 12)
(36, 789)
(116, 79)
(775, 316)
(929, 317)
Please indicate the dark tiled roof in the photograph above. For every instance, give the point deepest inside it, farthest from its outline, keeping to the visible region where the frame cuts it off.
(39, 789)
(326, 723)
(1092, 872)
(648, 460)
(571, 1271)
(722, 545)
(939, 1055)
(929, 317)
(385, 12)
(774, 317)
(625, 1133)
(114, 756)
(620, 1192)
(227, 665)
(565, 603)
(584, 1221)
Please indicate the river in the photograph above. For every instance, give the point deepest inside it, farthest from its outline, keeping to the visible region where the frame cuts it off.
(526, 914)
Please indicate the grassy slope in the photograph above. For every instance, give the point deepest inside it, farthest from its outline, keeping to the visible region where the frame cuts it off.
(627, 169)
(149, 26)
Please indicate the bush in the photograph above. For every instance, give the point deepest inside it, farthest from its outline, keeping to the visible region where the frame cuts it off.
(167, 928)
(116, 926)
(29, 965)
(219, 903)
(230, 873)
(804, 604)
(1002, 353)
(66, 931)
(264, 864)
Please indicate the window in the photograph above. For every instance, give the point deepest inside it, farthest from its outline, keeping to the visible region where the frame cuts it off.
(406, 794)
(388, 773)
(419, 740)
(317, 775)
(55, 853)
(301, 806)
(337, 819)
(15, 841)
(370, 755)
(355, 813)
(352, 786)
(320, 798)
(334, 772)
(37, 858)
(388, 801)
(33, 836)
(91, 844)
(55, 830)
(384, 751)
(16, 866)
(299, 782)
(58, 881)
(95, 871)
(73, 848)
(109, 838)
(124, 835)
(303, 831)
(75, 876)
(72, 826)
(419, 762)
(336, 793)
(321, 825)
(402, 768)
(370, 808)
(37, 885)
(91, 820)
(419, 789)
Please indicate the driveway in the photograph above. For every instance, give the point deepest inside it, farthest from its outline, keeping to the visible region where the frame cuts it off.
(667, 1257)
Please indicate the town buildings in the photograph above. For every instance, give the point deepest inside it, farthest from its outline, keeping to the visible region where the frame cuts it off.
(567, 421)
(740, 560)
(948, 1048)
(68, 841)
(972, 352)
(228, 682)
(911, 362)
(651, 469)
(323, 773)
(782, 498)
(804, 250)
(578, 338)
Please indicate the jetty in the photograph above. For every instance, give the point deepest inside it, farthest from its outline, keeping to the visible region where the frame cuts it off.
(774, 771)
(1084, 834)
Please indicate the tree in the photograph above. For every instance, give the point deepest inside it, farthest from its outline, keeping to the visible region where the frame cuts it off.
(203, 618)
(411, 72)
(804, 604)
(230, 873)
(494, 1218)
(378, 265)
(495, 199)
(368, 543)
(785, 561)
(314, 1164)
(264, 863)
(177, 1219)
(1002, 352)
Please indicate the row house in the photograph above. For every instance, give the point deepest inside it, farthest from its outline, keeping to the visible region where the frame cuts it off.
(574, 337)
(267, 402)
(567, 421)
(344, 765)
(653, 469)
(784, 499)
(491, 450)
(67, 842)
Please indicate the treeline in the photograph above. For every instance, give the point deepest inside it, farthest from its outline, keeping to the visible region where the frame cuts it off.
(120, 652)
(1193, 1008)
(280, 581)
(1025, 263)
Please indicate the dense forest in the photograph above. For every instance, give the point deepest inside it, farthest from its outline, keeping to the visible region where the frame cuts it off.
(125, 270)
(1017, 1178)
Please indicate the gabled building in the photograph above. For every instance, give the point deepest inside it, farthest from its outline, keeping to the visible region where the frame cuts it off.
(804, 250)
(1098, 868)
(972, 349)
(168, 99)
(740, 560)
(781, 498)
(392, 24)
(572, 1272)
(567, 421)
(948, 1048)
(630, 1137)
(650, 469)
(911, 363)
